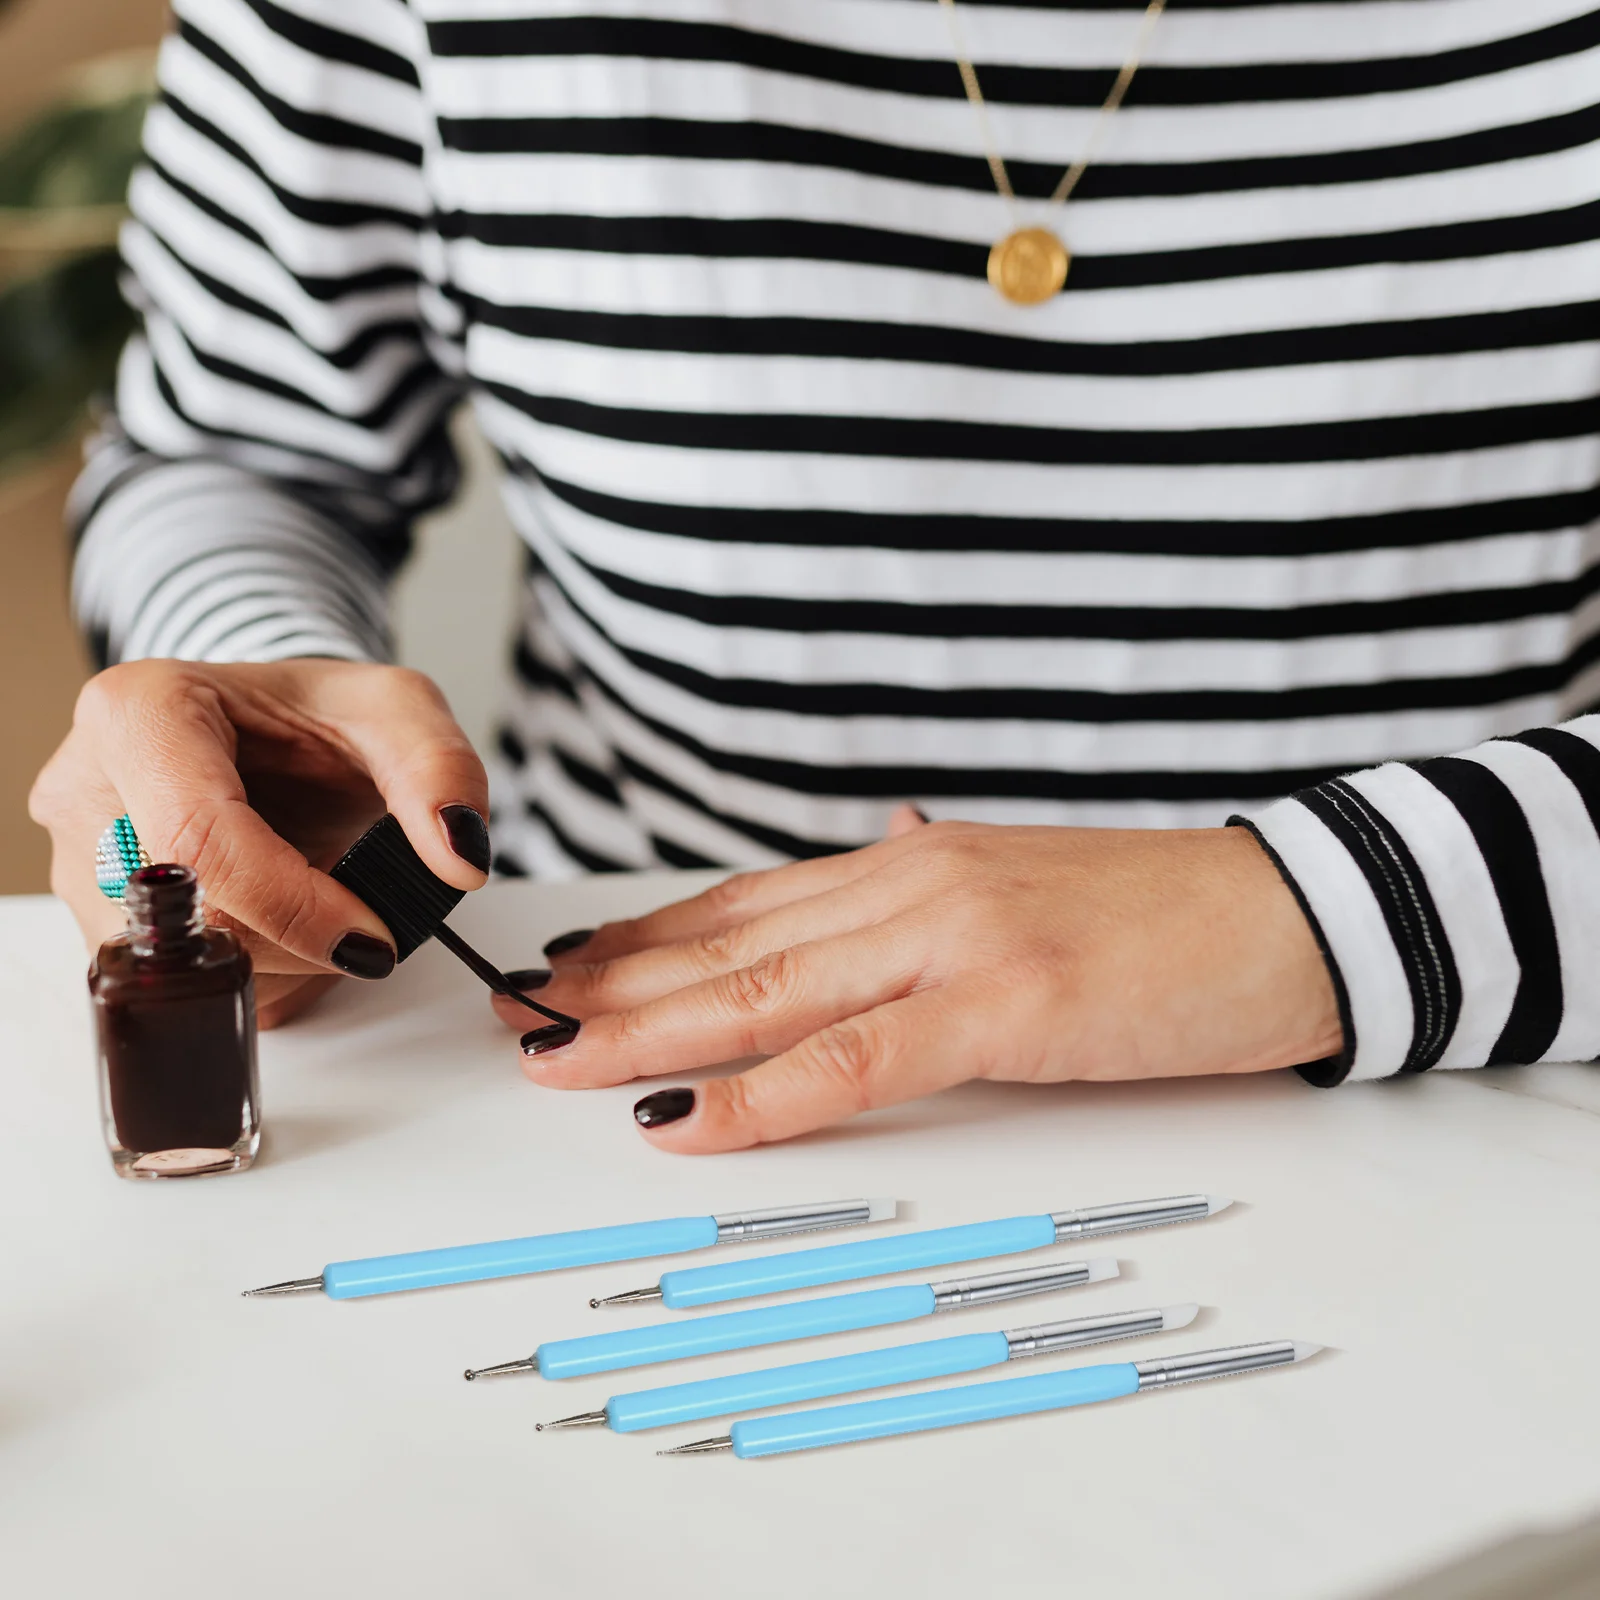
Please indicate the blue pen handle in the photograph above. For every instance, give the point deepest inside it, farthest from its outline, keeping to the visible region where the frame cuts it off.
(944, 1408)
(840, 1263)
(733, 1330)
(806, 1380)
(506, 1258)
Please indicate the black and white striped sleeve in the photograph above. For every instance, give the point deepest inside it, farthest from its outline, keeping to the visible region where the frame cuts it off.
(1457, 901)
(281, 414)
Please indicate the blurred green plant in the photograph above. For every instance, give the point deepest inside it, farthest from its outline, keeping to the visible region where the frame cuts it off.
(63, 181)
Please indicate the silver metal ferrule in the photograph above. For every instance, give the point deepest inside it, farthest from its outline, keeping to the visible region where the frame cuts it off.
(1091, 1221)
(1013, 1285)
(1224, 1363)
(772, 1222)
(1048, 1336)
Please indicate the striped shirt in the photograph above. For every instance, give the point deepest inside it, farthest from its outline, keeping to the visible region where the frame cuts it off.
(1299, 477)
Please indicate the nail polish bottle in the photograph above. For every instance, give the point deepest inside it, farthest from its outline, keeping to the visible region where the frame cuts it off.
(174, 1006)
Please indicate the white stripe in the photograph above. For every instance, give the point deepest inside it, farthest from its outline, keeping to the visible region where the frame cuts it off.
(1464, 896)
(1356, 933)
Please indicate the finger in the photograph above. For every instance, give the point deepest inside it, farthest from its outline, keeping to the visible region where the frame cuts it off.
(737, 899)
(755, 1010)
(400, 727)
(633, 980)
(281, 998)
(167, 748)
(914, 1046)
(905, 819)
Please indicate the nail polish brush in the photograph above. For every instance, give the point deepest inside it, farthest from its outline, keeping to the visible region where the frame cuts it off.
(383, 870)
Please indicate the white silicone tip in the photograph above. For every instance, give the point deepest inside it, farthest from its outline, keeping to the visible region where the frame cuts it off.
(882, 1210)
(1103, 1267)
(1179, 1316)
(1302, 1349)
(1216, 1203)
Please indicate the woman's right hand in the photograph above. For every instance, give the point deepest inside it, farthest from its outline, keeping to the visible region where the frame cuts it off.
(259, 777)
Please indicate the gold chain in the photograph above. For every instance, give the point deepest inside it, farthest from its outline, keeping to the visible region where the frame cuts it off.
(1024, 266)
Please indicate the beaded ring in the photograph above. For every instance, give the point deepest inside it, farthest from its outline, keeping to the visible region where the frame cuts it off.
(117, 856)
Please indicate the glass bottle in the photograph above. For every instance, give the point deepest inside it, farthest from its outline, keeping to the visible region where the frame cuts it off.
(174, 1006)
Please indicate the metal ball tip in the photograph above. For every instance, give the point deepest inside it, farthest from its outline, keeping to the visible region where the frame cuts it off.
(526, 1364)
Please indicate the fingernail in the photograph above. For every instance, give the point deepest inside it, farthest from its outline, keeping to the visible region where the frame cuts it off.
(469, 835)
(664, 1106)
(564, 942)
(527, 979)
(362, 956)
(540, 1041)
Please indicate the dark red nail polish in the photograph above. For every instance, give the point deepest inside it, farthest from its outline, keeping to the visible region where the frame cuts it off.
(362, 956)
(469, 835)
(664, 1106)
(540, 1041)
(564, 942)
(527, 979)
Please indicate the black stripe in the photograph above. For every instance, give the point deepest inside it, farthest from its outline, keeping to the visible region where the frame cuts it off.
(680, 856)
(1578, 759)
(511, 748)
(1016, 703)
(1041, 86)
(778, 839)
(1415, 926)
(330, 44)
(1311, 536)
(677, 138)
(317, 127)
(1511, 854)
(936, 439)
(590, 779)
(791, 239)
(1010, 620)
(818, 337)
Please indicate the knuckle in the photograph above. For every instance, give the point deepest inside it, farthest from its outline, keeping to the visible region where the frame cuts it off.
(848, 1056)
(728, 898)
(765, 985)
(721, 949)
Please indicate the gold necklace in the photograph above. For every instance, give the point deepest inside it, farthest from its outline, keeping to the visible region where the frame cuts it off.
(1029, 265)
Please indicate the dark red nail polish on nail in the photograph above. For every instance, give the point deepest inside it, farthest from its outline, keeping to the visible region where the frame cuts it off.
(469, 835)
(564, 942)
(362, 956)
(527, 979)
(664, 1106)
(540, 1041)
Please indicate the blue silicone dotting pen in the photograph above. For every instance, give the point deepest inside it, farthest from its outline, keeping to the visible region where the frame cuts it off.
(872, 1369)
(987, 1402)
(907, 1252)
(800, 1319)
(583, 1247)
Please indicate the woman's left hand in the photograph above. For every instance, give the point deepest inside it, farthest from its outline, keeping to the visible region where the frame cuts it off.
(949, 951)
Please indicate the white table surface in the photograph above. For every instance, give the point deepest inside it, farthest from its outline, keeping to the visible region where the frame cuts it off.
(160, 1435)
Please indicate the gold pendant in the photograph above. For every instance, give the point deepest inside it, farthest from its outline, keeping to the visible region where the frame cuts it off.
(1029, 266)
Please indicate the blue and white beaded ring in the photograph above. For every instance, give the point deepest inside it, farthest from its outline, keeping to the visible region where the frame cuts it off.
(117, 856)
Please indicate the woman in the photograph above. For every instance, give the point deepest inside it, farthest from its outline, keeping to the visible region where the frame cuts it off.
(838, 494)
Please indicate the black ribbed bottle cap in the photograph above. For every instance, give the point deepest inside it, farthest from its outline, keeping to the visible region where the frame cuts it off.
(382, 869)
